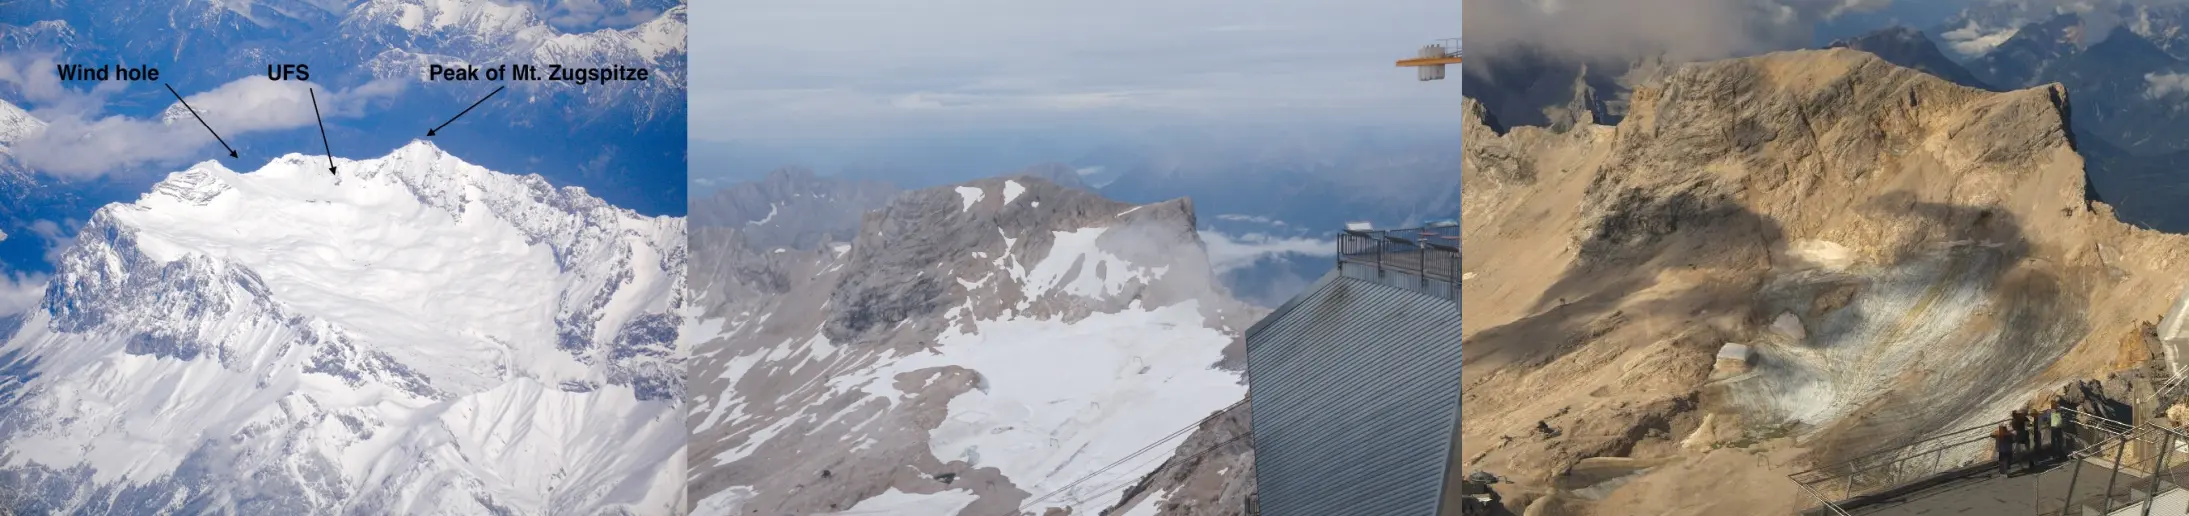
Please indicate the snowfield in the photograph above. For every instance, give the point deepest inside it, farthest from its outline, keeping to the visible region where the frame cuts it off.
(902, 503)
(1059, 401)
(416, 335)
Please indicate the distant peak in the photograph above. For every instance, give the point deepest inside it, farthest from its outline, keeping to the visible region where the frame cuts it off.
(1896, 33)
(790, 175)
(1057, 173)
(420, 147)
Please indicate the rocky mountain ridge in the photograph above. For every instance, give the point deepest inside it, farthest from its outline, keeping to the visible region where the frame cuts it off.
(952, 358)
(1852, 221)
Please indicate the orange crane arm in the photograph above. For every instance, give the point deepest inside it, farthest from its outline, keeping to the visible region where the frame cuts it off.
(1426, 61)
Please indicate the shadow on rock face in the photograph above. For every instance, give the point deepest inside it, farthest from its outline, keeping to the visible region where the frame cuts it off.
(1639, 237)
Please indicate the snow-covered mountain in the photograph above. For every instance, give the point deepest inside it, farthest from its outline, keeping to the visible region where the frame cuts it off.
(417, 33)
(988, 347)
(416, 335)
(1982, 26)
(15, 180)
(614, 137)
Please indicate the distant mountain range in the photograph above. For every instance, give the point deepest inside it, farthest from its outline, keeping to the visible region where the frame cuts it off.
(1908, 47)
(1269, 222)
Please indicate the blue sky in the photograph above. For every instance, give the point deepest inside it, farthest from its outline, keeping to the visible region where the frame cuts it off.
(785, 83)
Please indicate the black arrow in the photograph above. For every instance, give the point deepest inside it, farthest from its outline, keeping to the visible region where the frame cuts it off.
(201, 120)
(451, 120)
(322, 130)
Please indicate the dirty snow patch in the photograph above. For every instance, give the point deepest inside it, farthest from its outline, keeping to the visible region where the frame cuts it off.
(1011, 191)
(1820, 254)
(724, 502)
(772, 209)
(1062, 400)
(900, 502)
(1100, 273)
(971, 196)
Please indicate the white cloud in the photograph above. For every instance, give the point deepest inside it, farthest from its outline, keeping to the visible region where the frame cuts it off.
(1258, 219)
(79, 142)
(1685, 29)
(20, 292)
(875, 68)
(1227, 252)
(57, 237)
(2163, 85)
(1972, 40)
(33, 74)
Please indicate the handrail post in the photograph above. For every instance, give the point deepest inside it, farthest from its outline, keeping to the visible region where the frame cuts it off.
(2110, 479)
(2152, 494)
(1381, 245)
(2071, 478)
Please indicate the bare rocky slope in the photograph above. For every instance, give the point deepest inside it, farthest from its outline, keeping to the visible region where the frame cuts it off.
(984, 348)
(1906, 256)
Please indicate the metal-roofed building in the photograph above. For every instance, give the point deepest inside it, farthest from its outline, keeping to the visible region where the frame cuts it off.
(1355, 383)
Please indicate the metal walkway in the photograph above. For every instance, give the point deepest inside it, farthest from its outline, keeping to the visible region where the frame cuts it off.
(2112, 469)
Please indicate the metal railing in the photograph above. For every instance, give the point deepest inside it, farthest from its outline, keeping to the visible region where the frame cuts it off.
(1427, 259)
(2140, 463)
(1450, 46)
(1878, 472)
(2123, 447)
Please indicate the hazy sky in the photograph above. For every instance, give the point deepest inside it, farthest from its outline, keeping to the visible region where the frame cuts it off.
(884, 69)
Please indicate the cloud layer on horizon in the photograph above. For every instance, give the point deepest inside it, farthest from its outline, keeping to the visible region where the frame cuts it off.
(874, 68)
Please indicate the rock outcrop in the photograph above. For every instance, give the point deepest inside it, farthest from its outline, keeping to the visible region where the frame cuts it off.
(1901, 255)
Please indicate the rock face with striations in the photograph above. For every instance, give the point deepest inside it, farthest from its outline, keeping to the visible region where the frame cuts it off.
(1901, 255)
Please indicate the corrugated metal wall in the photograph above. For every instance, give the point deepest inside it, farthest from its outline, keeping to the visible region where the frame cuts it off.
(1401, 279)
(1355, 387)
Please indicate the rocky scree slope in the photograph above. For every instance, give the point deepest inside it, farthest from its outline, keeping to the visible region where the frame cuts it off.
(415, 335)
(974, 348)
(1906, 255)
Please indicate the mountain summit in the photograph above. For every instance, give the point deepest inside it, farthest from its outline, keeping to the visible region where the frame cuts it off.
(416, 332)
(1904, 256)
